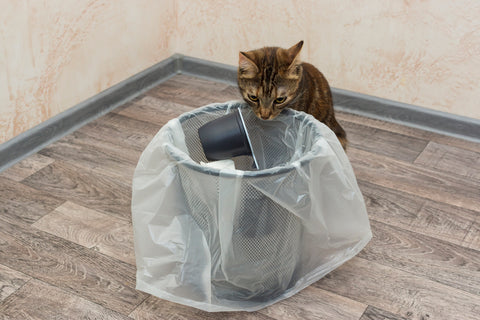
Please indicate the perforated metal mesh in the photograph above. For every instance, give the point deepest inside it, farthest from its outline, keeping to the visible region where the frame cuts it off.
(265, 242)
(264, 251)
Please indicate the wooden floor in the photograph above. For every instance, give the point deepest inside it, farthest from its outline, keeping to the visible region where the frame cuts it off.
(66, 247)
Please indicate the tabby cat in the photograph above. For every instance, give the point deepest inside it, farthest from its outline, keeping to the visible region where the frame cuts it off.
(271, 79)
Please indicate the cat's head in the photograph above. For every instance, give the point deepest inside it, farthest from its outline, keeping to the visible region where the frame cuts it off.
(268, 79)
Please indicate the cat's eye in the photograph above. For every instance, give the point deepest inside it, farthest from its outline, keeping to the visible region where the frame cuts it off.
(252, 97)
(280, 100)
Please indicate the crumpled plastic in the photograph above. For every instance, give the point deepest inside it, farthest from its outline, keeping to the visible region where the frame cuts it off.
(219, 238)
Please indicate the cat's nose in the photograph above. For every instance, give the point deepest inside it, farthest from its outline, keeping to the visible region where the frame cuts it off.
(265, 114)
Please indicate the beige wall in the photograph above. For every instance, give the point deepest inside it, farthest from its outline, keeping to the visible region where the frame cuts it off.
(425, 53)
(56, 53)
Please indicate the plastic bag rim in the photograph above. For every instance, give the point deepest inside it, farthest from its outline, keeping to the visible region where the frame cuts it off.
(177, 155)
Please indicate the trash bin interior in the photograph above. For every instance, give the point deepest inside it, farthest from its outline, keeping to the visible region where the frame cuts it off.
(275, 143)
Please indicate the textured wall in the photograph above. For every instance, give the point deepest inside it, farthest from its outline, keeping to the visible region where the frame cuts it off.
(425, 53)
(57, 53)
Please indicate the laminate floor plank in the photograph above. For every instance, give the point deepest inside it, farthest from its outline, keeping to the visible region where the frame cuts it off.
(373, 313)
(410, 212)
(154, 110)
(412, 179)
(384, 142)
(122, 131)
(192, 83)
(448, 223)
(400, 292)
(128, 103)
(22, 204)
(84, 187)
(452, 160)
(409, 131)
(39, 300)
(26, 167)
(420, 255)
(314, 303)
(192, 91)
(154, 308)
(118, 243)
(91, 229)
(69, 266)
(472, 239)
(231, 93)
(97, 155)
(10, 281)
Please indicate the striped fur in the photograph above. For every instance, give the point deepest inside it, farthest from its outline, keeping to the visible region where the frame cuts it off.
(271, 79)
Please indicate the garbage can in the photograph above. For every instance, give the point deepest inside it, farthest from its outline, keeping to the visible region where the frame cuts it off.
(245, 237)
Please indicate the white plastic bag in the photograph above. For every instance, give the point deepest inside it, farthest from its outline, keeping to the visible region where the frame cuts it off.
(242, 239)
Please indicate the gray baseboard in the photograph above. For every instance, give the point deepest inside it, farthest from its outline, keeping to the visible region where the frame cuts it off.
(70, 120)
(407, 114)
(208, 70)
(361, 104)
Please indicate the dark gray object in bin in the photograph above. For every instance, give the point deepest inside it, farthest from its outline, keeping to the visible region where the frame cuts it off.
(226, 137)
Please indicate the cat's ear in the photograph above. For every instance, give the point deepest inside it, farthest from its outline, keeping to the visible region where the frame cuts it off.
(246, 67)
(291, 62)
(293, 52)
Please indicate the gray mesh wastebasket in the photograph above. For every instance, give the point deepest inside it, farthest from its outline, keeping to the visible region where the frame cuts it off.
(241, 239)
